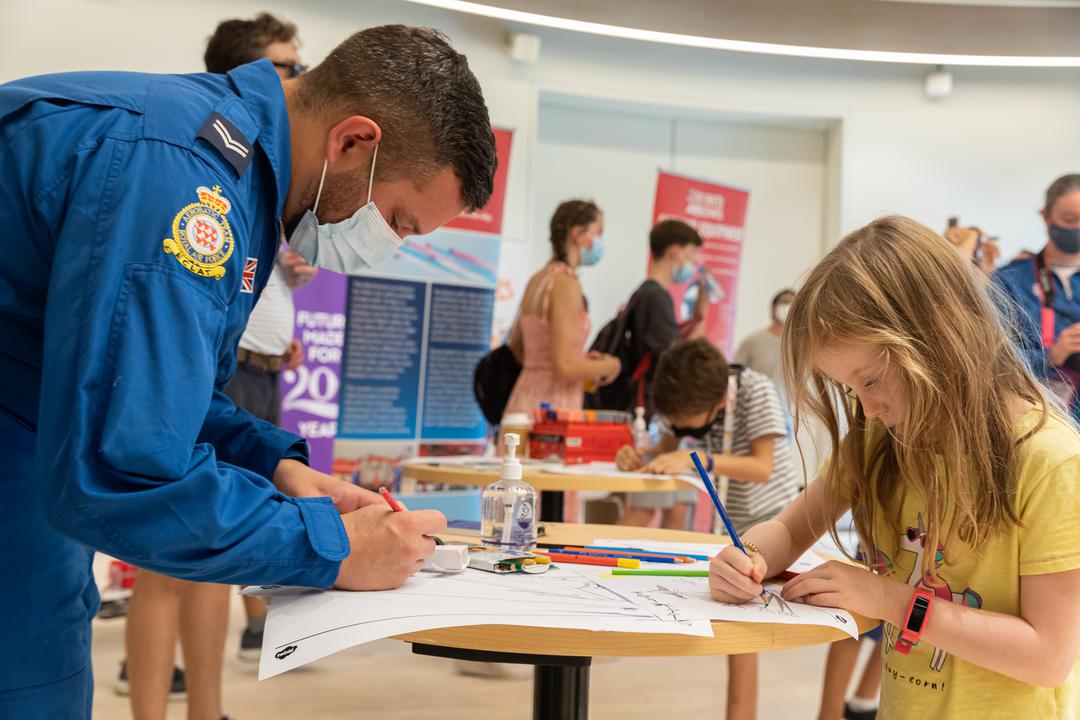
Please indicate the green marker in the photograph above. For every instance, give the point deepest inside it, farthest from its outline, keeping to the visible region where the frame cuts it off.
(662, 573)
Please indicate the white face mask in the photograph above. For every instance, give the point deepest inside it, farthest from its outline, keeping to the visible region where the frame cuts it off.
(348, 246)
(781, 312)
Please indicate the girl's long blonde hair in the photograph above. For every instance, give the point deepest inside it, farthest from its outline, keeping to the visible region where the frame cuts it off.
(897, 286)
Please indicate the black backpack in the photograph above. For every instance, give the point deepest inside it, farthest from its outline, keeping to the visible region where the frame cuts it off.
(628, 389)
(493, 381)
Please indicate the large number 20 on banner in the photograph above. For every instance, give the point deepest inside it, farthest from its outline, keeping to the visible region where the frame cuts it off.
(718, 213)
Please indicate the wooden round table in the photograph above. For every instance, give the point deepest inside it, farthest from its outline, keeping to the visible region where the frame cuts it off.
(562, 657)
(551, 485)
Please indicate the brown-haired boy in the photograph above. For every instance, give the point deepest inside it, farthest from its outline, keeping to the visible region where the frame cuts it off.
(690, 393)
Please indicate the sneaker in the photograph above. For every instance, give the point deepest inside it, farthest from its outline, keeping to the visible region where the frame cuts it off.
(491, 670)
(178, 691)
(850, 714)
(251, 644)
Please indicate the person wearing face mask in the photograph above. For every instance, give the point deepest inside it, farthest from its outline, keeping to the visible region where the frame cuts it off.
(145, 213)
(548, 338)
(690, 393)
(761, 351)
(646, 326)
(1046, 289)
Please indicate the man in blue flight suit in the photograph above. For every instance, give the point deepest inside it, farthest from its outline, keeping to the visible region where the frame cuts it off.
(141, 220)
(1046, 289)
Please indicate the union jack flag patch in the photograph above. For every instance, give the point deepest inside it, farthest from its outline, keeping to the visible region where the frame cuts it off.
(247, 278)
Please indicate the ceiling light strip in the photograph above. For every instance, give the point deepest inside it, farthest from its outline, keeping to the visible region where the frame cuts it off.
(745, 46)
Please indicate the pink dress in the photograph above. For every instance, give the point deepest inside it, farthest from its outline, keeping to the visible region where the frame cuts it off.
(537, 382)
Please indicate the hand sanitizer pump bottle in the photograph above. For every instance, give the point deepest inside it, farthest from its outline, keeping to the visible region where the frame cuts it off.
(640, 430)
(508, 507)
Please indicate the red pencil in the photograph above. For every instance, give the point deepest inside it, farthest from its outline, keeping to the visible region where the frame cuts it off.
(591, 560)
(625, 553)
(394, 504)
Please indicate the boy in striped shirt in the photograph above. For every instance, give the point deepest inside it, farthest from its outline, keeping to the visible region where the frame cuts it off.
(690, 392)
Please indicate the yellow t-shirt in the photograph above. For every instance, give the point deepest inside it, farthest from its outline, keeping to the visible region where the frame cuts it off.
(930, 683)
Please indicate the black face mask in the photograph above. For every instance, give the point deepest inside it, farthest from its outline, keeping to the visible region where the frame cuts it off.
(699, 432)
(1067, 240)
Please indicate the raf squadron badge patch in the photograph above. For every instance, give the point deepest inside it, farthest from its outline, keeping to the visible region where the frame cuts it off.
(202, 240)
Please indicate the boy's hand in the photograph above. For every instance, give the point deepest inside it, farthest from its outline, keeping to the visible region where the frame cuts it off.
(628, 458)
(671, 463)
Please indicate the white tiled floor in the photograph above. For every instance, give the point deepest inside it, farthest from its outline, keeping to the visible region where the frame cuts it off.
(384, 680)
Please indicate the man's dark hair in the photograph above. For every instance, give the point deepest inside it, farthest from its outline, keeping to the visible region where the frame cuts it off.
(671, 232)
(569, 215)
(423, 96)
(781, 295)
(236, 42)
(691, 378)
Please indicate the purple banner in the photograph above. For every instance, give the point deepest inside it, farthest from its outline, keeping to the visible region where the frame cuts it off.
(309, 405)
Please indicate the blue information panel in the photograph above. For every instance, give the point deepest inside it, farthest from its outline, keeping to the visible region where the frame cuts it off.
(459, 332)
(383, 354)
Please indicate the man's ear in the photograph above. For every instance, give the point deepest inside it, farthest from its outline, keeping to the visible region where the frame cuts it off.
(351, 143)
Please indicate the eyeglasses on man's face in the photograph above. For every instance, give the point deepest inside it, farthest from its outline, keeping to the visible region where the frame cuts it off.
(291, 70)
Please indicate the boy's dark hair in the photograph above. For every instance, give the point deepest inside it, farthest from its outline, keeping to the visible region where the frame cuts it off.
(691, 378)
(236, 42)
(780, 296)
(421, 93)
(671, 232)
(569, 215)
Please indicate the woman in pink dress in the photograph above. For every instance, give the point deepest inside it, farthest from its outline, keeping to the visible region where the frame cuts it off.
(553, 323)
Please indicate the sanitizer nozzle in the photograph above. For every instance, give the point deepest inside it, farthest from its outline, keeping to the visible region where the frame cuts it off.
(511, 467)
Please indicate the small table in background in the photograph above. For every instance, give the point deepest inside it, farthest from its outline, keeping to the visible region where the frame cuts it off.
(551, 485)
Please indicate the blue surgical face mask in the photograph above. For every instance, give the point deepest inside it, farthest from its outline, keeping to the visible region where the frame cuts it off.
(351, 245)
(592, 255)
(684, 273)
(1067, 240)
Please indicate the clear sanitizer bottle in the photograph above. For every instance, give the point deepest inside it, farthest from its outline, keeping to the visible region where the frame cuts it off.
(640, 430)
(508, 506)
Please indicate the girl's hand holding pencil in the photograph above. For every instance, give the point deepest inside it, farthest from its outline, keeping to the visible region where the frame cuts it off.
(735, 577)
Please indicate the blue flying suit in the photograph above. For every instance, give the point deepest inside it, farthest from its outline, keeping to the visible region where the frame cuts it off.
(139, 224)
(1018, 281)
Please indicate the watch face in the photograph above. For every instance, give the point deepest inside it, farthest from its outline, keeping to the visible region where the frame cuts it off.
(918, 614)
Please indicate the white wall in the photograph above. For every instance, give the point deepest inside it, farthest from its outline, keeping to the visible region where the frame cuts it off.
(611, 154)
(987, 153)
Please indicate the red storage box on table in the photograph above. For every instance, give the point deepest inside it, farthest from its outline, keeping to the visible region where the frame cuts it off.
(578, 436)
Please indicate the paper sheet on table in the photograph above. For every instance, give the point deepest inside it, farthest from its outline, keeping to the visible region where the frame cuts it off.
(688, 598)
(608, 469)
(474, 461)
(305, 625)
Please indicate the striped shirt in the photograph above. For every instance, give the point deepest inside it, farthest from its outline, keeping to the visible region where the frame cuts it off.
(758, 413)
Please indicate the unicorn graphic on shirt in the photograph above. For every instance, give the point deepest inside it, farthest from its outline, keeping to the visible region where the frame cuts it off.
(913, 539)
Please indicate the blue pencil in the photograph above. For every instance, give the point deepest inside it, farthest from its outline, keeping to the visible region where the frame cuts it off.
(723, 513)
(706, 558)
(617, 553)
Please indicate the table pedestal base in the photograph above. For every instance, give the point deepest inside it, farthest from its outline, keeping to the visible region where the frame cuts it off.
(560, 682)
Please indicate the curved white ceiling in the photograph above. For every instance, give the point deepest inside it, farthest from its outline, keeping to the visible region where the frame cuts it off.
(931, 32)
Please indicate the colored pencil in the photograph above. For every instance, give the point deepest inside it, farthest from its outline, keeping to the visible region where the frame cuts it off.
(631, 556)
(639, 551)
(723, 513)
(394, 504)
(663, 573)
(643, 554)
(585, 560)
